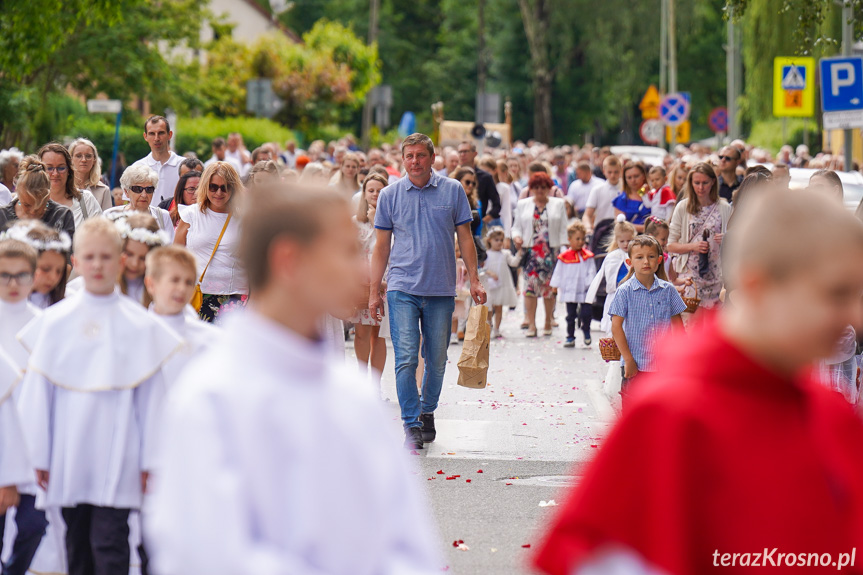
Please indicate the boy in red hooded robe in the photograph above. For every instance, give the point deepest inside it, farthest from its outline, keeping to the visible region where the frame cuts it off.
(732, 455)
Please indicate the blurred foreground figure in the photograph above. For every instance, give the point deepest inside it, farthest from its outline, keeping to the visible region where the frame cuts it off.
(276, 457)
(732, 453)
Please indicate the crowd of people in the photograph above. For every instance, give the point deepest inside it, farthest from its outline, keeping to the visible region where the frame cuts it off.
(121, 355)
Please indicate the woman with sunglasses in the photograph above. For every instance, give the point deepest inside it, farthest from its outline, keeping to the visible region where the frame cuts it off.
(139, 184)
(210, 229)
(467, 178)
(33, 202)
(185, 194)
(58, 164)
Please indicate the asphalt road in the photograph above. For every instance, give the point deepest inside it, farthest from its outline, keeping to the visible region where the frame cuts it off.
(530, 431)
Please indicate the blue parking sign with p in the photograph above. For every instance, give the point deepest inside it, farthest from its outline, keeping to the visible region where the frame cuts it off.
(842, 83)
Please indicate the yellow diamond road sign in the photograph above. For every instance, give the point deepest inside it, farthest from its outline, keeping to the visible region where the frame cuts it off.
(794, 87)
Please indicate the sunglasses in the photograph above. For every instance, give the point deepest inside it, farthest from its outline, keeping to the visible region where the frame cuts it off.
(728, 158)
(58, 169)
(215, 188)
(149, 190)
(470, 183)
(191, 189)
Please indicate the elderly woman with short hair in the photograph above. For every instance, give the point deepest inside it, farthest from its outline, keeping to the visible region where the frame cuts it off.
(139, 184)
(9, 161)
(87, 166)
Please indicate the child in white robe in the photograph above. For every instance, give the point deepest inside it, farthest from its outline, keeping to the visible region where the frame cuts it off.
(15, 467)
(17, 478)
(89, 404)
(275, 458)
(171, 277)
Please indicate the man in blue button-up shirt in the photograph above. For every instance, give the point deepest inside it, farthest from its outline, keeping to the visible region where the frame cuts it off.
(417, 219)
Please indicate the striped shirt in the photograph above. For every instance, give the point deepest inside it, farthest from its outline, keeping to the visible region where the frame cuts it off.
(646, 315)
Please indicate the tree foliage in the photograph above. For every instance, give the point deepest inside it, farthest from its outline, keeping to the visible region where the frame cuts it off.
(321, 81)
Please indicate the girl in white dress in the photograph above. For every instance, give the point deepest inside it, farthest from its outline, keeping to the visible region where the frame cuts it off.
(54, 247)
(368, 344)
(501, 289)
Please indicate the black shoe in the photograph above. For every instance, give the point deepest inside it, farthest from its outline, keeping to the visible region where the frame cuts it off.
(429, 432)
(413, 438)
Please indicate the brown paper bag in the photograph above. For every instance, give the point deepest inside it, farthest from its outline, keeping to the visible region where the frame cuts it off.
(473, 363)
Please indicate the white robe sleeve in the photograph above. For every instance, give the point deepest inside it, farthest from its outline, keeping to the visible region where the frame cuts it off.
(149, 400)
(35, 404)
(198, 520)
(15, 466)
(556, 275)
(597, 281)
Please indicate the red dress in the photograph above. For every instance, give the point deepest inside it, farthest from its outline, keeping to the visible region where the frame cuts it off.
(716, 453)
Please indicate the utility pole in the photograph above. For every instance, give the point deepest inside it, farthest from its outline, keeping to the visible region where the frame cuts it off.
(374, 10)
(672, 64)
(480, 64)
(663, 48)
(847, 49)
(733, 73)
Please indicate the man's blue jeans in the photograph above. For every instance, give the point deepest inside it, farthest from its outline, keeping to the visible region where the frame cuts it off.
(410, 316)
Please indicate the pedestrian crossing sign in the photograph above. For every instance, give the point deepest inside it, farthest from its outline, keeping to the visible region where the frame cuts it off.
(794, 87)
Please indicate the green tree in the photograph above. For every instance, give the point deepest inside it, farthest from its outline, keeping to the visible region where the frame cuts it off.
(324, 79)
(112, 47)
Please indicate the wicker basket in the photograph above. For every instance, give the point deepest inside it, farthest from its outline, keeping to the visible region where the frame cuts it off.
(692, 303)
(608, 349)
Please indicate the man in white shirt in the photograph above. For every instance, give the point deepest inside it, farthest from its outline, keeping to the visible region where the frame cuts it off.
(238, 154)
(579, 190)
(220, 154)
(598, 208)
(161, 158)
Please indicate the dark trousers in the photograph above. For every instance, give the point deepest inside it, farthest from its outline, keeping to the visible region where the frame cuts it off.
(31, 524)
(583, 313)
(97, 540)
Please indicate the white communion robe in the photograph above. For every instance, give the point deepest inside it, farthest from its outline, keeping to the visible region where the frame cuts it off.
(91, 395)
(277, 459)
(197, 336)
(51, 555)
(15, 466)
(13, 318)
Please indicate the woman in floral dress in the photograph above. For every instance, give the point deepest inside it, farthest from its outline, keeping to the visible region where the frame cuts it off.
(539, 227)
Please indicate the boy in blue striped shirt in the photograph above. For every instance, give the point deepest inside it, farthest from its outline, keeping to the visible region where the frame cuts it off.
(645, 306)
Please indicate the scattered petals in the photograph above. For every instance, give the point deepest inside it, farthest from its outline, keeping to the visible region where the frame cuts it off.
(440, 472)
(479, 471)
(467, 480)
(526, 546)
(549, 503)
(458, 542)
(463, 547)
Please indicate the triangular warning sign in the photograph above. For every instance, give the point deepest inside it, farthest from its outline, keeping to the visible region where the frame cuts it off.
(650, 99)
(794, 79)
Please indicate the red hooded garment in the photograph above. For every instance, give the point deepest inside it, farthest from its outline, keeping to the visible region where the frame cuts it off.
(717, 453)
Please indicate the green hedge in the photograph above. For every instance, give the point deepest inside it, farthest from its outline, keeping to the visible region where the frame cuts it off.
(192, 134)
(767, 134)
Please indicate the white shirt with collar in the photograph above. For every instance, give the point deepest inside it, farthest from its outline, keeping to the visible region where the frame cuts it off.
(168, 172)
(579, 191)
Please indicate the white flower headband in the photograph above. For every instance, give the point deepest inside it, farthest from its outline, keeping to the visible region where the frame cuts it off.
(143, 235)
(22, 234)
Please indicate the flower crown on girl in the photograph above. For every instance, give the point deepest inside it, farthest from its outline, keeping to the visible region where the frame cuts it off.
(142, 235)
(21, 232)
